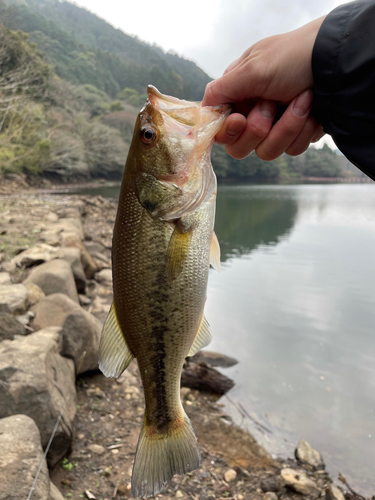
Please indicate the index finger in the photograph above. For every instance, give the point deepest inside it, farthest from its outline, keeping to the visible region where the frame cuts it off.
(234, 86)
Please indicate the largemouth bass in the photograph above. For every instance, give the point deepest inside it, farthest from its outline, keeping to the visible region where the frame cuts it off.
(163, 243)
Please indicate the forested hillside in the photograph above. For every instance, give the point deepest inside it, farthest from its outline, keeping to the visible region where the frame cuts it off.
(70, 89)
(86, 49)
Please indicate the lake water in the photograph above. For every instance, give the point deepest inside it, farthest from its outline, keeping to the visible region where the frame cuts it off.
(295, 304)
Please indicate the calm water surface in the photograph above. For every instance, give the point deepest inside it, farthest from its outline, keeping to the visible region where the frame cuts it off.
(295, 304)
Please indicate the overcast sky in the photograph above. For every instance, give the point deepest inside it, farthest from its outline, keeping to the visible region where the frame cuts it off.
(211, 32)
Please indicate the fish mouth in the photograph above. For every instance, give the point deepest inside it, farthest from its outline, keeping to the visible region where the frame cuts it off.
(189, 121)
(189, 113)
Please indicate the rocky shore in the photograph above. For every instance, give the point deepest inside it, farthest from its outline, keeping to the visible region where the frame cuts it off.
(55, 292)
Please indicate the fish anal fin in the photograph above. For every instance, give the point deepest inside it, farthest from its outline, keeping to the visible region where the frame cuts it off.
(215, 253)
(114, 354)
(177, 252)
(203, 337)
(162, 455)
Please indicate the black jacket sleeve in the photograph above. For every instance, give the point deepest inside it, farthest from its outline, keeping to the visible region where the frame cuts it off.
(343, 65)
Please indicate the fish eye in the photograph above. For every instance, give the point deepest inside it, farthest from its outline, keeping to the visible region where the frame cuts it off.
(148, 135)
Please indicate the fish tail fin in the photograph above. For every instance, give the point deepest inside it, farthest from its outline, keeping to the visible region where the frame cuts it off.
(162, 455)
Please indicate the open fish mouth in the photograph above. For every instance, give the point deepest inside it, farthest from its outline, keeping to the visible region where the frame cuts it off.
(189, 121)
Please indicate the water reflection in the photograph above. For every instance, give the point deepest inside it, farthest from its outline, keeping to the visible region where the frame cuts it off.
(245, 219)
(299, 314)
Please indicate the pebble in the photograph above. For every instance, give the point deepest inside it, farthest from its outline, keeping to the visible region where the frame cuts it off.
(270, 495)
(97, 449)
(299, 482)
(230, 475)
(107, 471)
(306, 453)
(333, 493)
(179, 494)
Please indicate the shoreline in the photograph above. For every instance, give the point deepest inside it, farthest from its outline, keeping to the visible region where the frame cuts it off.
(104, 404)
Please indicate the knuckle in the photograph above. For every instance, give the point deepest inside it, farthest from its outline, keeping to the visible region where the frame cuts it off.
(256, 130)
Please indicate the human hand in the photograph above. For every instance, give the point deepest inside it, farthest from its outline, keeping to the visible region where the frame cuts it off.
(276, 70)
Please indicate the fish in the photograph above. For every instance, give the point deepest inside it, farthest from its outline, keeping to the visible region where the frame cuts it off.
(163, 244)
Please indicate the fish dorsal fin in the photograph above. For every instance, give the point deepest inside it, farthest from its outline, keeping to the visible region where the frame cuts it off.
(177, 252)
(215, 253)
(114, 354)
(203, 337)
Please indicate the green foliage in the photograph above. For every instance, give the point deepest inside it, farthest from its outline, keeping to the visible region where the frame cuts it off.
(66, 464)
(86, 49)
(132, 97)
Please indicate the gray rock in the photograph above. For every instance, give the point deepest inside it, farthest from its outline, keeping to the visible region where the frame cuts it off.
(55, 276)
(8, 266)
(73, 256)
(271, 483)
(73, 240)
(306, 454)
(68, 225)
(104, 277)
(55, 493)
(35, 255)
(51, 217)
(81, 334)
(25, 319)
(52, 310)
(94, 247)
(21, 455)
(270, 495)
(299, 482)
(97, 449)
(34, 293)
(14, 297)
(333, 493)
(214, 359)
(9, 326)
(5, 279)
(84, 300)
(80, 330)
(36, 381)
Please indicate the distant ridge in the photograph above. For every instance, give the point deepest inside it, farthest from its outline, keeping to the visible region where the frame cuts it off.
(86, 49)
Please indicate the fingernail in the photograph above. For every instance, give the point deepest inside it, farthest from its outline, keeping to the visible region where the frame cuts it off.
(235, 128)
(302, 104)
(267, 108)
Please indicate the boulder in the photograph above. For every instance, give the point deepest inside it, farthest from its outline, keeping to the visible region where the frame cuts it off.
(10, 326)
(306, 454)
(35, 255)
(34, 293)
(36, 381)
(73, 256)
(81, 334)
(55, 276)
(299, 482)
(13, 298)
(21, 456)
(52, 310)
(51, 217)
(73, 240)
(80, 330)
(5, 279)
(8, 266)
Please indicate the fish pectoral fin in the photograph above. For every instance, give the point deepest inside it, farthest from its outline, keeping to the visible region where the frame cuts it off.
(177, 252)
(215, 253)
(114, 354)
(203, 337)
